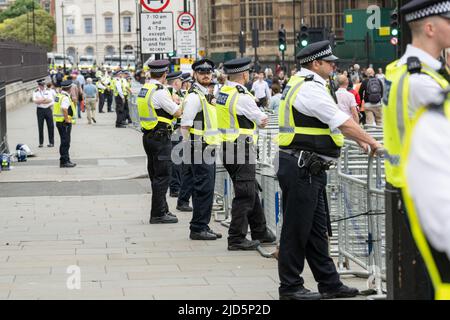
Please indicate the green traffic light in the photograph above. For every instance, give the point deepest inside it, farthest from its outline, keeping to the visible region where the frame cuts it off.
(394, 32)
(282, 47)
(304, 43)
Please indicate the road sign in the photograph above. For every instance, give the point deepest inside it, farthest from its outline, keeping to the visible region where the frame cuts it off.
(186, 21)
(157, 32)
(155, 5)
(186, 65)
(394, 41)
(186, 43)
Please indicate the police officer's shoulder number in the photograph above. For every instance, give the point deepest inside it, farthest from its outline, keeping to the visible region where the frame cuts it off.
(222, 98)
(56, 99)
(241, 89)
(285, 92)
(143, 93)
(159, 86)
(414, 65)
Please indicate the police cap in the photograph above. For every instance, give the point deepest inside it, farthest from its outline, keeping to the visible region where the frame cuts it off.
(203, 65)
(159, 66)
(237, 65)
(186, 77)
(317, 51)
(174, 75)
(420, 9)
(41, 82)
(66, 84)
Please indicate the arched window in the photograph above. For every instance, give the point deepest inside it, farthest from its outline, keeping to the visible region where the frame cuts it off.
(128, 49)
(72, 52)
(110, 50)
(89, 51)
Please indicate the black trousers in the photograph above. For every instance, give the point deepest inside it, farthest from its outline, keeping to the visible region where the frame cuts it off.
(126, 111)
(158, 149)
(304, 233)
(65, 130)
(47, 116)
(246, 208)
(187, 185)
(101, 101)
(109, 99)
(204, 176)
(119, 111)
(177, 169)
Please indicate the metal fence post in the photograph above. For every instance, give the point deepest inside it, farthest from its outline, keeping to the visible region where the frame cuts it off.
(3, 128)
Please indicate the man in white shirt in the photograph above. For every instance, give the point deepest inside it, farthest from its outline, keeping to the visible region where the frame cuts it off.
(44, 101)
(346, 100)
(261, 90)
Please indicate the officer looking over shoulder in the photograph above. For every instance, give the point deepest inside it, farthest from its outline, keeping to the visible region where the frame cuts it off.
(429, 208)
(199, 129)
(157, 112)
(238, 118)
(64, 114)
(310, 140)
(413, 81)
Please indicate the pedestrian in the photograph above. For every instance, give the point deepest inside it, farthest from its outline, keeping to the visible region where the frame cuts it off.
(261, 90)
(275, 100)
(174, 81)
(157, 112)
(44, 100)
(413, 81)
(119, 97)
(346, 100)
(380, 75)
(429, 208)
(238, 118)
(310, 141)
(200, 131)
(372, 91)
(64, 114)
(91, 98)
(101, 88)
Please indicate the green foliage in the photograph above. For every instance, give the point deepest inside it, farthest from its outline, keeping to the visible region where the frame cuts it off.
(19, 8)
(21, 29)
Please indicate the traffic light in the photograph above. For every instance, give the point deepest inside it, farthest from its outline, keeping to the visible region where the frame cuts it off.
(242, 47)
(395, 23)
(304, 36)
(282, 42)
(171, 54)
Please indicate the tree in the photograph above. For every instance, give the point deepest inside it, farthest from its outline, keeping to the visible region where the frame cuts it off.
(21, 29)
(19, 8)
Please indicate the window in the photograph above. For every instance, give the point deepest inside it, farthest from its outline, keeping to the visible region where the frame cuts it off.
(70, 25)
(110, 50)
(127, 24)
(71, 52)
(89, 51)
(109, 25)
(88, 25)
(128, 49)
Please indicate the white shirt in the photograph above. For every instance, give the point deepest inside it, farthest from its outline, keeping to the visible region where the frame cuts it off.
(246, 105)
(192, 106)
(163, 100)
(44, 94)
(119, 87)
(65, 103)
(314, 100)
(261, 89)
(428, 175)
(346, 101)
(423, 89)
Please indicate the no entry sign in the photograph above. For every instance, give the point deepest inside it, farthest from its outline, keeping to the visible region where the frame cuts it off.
(186, 21)
(155, 5)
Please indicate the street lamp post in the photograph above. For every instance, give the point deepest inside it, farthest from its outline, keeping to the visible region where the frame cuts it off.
(64, 39)
(34, 24)
(120, 36)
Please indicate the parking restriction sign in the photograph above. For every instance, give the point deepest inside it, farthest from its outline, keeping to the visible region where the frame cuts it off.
(155, 5)
(186, 21)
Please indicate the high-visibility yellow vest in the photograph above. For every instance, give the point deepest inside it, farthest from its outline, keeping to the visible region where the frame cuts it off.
(58, 114)
(148, 115)
(397, 121)
(114, 86)
(208, 117)
(231, 126)
(442, 289)
(124, 86)
(299, 131)
(101, 91)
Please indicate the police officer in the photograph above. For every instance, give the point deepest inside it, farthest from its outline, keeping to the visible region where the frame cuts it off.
(64, 114)
(411, 82)
(107, 80)
(187, 82)
(126, 88)
(200, 128)
(238, 118)
(101, 87)
(310, 139)
(429, 208)
(119, 96)
(157, 112)
(44, 101)
(174, 87)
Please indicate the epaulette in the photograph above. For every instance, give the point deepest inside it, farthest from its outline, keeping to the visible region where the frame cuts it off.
(159, 86)
(414, 65)
(309, 77)
(241, 89)
(192, 90)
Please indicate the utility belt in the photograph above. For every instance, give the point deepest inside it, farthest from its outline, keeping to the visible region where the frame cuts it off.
(310, 160)
(159, 131)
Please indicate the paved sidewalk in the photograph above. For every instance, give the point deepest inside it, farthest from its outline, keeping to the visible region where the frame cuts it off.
(81, 218)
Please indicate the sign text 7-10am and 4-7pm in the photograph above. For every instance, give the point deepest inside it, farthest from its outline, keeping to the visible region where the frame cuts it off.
(157, 32)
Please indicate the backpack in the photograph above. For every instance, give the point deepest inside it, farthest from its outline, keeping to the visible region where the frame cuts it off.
(374, 91)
